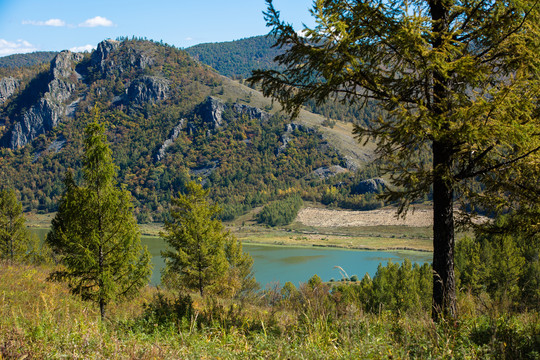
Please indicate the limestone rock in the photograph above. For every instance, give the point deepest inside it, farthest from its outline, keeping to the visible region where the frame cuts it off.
(326, 172)
(369, 186)
(101, 54)
(173, 136)
(148, 89)
(8, 86)
(53, 106)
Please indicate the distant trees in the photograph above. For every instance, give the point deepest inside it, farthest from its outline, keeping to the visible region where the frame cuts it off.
(95, 233)
(281, 212)
(204, 256)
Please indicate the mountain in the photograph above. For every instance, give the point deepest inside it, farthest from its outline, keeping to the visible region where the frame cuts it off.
(236, 59)
(25, 60)
(170, 119)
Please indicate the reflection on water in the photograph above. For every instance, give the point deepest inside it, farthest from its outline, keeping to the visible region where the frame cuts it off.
(295, 264)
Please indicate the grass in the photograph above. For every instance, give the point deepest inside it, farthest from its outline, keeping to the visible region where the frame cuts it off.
(297, 234)
(41, 320)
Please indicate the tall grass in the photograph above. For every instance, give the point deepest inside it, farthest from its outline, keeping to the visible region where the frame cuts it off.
(41, 320)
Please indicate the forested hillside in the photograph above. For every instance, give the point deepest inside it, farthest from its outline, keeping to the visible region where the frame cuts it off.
(30, 59)
(236, 59)
(170, 119)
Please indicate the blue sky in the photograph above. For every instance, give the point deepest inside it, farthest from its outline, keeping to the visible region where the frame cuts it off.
(42, 25)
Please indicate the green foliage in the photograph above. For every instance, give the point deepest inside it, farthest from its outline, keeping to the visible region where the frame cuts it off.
(203, 254)
(26, 60)
(247, 170)
(504, 266)
(281, 212)
(15, 240)
(236, 59)
(453, 77)
(95, 233)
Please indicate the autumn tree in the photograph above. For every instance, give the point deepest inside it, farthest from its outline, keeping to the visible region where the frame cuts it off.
(202, 253)
(458, 79)
(95, 233)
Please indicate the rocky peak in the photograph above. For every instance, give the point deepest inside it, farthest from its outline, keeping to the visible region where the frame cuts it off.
(53, 106)
(63, 64)
(8, 86)
(104, 49)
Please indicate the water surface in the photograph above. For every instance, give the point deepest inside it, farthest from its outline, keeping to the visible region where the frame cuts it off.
(296, 264)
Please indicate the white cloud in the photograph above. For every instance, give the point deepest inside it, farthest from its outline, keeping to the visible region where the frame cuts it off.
(16, 47)
(82, 48)
(189, 38)
(96, 21)
(50, 22)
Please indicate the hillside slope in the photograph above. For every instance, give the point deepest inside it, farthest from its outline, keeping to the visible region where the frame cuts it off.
(170, 119)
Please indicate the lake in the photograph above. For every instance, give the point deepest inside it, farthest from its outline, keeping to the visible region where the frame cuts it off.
(296, 264)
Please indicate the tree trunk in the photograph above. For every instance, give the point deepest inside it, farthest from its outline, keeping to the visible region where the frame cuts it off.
(444, 285)
(102, 309)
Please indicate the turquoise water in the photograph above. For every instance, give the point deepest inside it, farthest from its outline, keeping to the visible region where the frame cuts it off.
(297, 264)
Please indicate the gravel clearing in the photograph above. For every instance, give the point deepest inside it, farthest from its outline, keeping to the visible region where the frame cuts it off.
(380, 217)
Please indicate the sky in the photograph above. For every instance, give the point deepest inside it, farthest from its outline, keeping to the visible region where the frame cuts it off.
(55, 25)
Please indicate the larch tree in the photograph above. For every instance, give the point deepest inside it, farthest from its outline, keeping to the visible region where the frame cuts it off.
(203, 255)
(458, 79)
(15, 240)
(94, 231)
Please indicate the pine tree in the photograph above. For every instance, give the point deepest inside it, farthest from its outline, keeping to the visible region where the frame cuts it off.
(457, 79)
(95, 233)
(15, 240)
(204, 255)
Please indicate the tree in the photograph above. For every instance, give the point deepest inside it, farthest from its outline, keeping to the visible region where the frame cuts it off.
(458, 79)
(95, 233)
(15, 241)
(204, 255)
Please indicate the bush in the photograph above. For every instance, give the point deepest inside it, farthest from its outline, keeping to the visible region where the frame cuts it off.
(281, 212)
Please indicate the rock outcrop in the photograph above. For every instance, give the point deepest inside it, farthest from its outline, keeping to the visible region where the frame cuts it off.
(148, 89)
(8, 86)
(326, 172)
(286, 137)
(369, 186)
(173, 136)
(212, 109)
(53, 106)
(102, 53)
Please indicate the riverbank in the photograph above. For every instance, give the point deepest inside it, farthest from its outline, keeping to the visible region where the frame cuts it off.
(375, 235)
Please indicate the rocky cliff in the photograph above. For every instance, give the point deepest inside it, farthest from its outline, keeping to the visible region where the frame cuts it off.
(8, 86)
(55, 104)
(212, 110)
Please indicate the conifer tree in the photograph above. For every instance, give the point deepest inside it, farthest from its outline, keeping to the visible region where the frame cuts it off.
(203, 254)
(15, 241)
(95, 233)
(458, 79)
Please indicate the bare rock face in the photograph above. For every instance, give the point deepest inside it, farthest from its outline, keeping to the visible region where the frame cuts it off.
(101, 54)
(211, 112)
(173, 136)
(53, 106)
(370, 186)
(8, 86)
(148, 89)
(326, 172)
